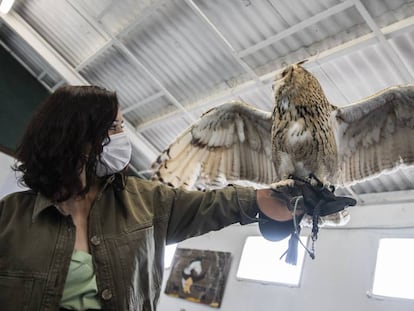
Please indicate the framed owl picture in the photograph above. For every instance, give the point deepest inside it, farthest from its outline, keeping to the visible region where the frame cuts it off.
(199, 276)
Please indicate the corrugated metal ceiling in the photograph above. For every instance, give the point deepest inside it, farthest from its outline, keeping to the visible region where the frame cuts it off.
(171, 60)
(33, 62)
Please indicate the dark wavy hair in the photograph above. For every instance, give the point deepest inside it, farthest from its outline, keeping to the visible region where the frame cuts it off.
(65, 135)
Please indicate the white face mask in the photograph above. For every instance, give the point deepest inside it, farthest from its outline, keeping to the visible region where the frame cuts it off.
(115, 156)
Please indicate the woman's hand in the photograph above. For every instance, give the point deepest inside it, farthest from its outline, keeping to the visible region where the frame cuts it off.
(273, 205)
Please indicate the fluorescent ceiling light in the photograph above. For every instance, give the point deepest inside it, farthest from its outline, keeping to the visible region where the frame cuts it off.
(6, 5)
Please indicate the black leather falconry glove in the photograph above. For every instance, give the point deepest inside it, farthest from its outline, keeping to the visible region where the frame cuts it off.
(314, 199)
(306, 197)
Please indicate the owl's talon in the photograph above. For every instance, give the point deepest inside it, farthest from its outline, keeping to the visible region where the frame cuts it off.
(315, 181)
(283, 183)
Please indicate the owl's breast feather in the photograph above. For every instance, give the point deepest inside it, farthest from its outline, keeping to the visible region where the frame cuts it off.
(297, 133)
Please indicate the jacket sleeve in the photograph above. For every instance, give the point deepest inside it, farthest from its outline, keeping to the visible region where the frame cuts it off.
(197, 212)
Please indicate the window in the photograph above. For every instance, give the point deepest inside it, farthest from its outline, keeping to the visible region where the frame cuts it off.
(260, 261)
(169, 255)
(394, 270)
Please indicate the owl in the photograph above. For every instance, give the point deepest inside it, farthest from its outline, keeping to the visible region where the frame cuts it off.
(304, 135)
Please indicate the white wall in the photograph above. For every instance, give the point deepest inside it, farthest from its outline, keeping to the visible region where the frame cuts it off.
(338, 279)
(8, 181)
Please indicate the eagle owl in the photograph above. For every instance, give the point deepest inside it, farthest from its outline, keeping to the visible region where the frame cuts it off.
(304, 134)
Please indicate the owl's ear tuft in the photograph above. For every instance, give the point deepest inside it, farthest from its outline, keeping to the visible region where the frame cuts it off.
(300, 63)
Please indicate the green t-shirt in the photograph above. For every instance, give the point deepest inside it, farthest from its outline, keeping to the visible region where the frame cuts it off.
(80, 290)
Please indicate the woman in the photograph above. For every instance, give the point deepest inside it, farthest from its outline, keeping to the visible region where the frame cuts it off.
(87, 237)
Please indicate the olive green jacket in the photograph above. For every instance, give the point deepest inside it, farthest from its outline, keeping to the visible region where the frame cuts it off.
(127, 231)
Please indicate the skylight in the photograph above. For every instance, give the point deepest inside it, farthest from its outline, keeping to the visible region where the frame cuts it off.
(394, 271)
(260, 261)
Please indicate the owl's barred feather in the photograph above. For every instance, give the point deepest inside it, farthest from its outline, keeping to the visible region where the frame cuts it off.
(304, 134)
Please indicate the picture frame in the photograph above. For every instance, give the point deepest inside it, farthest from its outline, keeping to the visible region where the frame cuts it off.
(199, 276)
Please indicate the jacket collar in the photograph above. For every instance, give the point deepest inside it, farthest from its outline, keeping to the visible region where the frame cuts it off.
(41, 204)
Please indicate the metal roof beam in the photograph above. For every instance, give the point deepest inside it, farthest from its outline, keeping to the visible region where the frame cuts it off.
(172, 98)
(110, 39)
(57, 62)
(106, 9)
(143, 102)
(225, 42)
(43, 48)
(393, 56)
(106, 46)
(23, 64)
(221, 97)
(116, 42)
(389, 32)
(297, 27)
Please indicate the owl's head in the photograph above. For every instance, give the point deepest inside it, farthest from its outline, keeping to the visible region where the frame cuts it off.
(294, 81)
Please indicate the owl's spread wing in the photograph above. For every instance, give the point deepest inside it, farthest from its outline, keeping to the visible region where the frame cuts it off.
(229, 142)
(375, 134)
